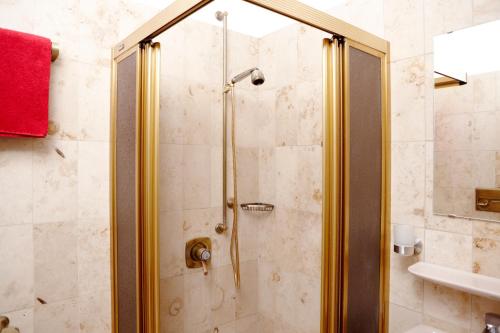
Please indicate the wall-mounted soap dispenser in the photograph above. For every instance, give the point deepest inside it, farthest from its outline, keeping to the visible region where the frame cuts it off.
(405, 242)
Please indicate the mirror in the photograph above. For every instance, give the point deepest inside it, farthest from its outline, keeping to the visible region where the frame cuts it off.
(467, 122)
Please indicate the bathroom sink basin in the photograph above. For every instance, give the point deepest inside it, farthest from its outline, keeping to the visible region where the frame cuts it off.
(424, 329)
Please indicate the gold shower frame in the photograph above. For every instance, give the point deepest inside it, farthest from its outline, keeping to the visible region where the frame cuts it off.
(332, 297)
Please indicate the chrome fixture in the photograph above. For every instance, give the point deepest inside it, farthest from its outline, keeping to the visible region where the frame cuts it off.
(222, 227)
(256, 76)
(405, 243)
(198, 253)
(257, 207)
(492, 322)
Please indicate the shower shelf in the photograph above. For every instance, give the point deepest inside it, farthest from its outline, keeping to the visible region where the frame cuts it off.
(257, 207)
(472, 283)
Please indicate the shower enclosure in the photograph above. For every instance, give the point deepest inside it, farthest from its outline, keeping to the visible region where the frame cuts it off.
(250, 173)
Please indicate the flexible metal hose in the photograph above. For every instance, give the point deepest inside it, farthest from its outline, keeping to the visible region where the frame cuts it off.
(234, 248)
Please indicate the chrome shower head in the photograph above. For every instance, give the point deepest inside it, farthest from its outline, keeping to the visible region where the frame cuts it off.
(256, 76)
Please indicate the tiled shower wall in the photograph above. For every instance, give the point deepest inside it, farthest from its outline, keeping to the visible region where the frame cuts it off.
(467, 245)
(278, 135)
(54, 226)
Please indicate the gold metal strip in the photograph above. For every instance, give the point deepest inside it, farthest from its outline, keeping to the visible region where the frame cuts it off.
(331, 188)
(296, 10)
(151, 106)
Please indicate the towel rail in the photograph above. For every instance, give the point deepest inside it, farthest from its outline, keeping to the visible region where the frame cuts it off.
(54, 52)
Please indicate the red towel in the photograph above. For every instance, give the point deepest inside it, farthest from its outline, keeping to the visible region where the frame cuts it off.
(24, 84)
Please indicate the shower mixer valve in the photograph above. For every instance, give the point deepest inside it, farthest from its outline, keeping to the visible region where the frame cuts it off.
(198, 253)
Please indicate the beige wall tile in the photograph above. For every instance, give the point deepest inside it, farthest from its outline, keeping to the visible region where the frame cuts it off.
(408, 105)
(55, 181)
(447, 305)
(94, 313)
(408, 183)
(196, 176)
(485, 254)
(16, 181)
(170, 183)
(56, 270)
(485, 11)
(406, 290)
(442, 16)
(402, 319)
(481, 306)
(16, 256)
(223, 296)
(172, 304)
(490, 230)
(404, 27)
(246, 297)
(93, 180)
(57, 317)
(171, 244)
(458, 249)
(22, 320)
(93, 257)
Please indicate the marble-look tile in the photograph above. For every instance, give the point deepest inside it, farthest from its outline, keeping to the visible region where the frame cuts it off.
(57, 317)
(268, 279)
(408, 183)
(196, 176)
(93, 180)
(406, 290)
(481, 306)
(458, 249)
(275, 46)
(247, 103)
(266, 114)
(94, 312)
(16, 256)
(402, 319)
(448, 305)
(485, 11)
(98, 29)
(448, 224)
(59, 21)
(408, 105)
(64, 96)
(404, 27)
(93, 257)
(246, 300)
(365, 14)
(485, 253)
(197, 300)
(484, 86)
(223, 296)
(287, 115)
(170, 183)
(300, 233)
(300, 309)
(56, 270)
(309, 53)
(55, 180)
(442, 16)
(16, 181)
(444, 325)
(172, 105)
(248, 174)
(485, 131)
(22, 320)
(172, 304)
(198, 100)
(93, 114)
(248, 324)
(490, 230)
(497, 169)
(171, 243)
(310, 115)
(206, 66)
(459, 99)
(17, 15)
(216, 177)
(454, 131)
(267, 171)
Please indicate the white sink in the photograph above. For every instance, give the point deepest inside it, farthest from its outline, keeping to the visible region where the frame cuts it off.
(424, 329)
